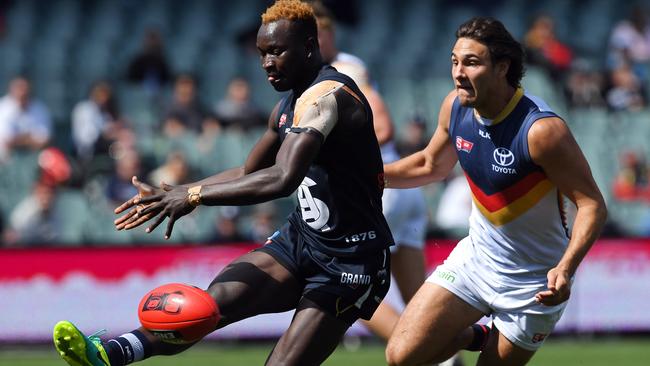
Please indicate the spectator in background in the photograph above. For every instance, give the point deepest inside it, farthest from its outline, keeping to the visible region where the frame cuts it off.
(127, 165)
(210, 130)
(149, 68)
(96, 122)
(175, 136)
(237, 109)
(54, 167)
(629, 43)
(25, 123)
(415, 136)
(626, 91)
(545, 50)
(584, 86)
(185, 104)
(173, 127)
(263, 223)
(631, 181)
(226, 226)
(175, 171)
(34, 221)
(631, 184)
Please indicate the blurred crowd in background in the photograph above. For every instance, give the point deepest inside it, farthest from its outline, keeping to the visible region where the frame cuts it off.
(99, 91)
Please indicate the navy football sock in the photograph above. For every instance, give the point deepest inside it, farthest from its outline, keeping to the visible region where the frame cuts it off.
(128, 348)
(481, 333)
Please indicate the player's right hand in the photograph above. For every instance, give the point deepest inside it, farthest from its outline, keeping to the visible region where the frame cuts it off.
(131, 220)
(558, 288)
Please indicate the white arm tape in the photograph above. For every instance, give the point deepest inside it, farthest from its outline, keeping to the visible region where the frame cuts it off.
(317, 108)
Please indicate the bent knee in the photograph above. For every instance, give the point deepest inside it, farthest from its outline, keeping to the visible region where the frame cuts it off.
(404, 352)
(397, 353)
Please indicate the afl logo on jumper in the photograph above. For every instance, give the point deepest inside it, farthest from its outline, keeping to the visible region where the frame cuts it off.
(463, 145)
(504, 158)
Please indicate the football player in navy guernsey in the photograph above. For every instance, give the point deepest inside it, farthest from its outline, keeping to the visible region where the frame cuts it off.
(519, 259)
(405, 209)
(330, 261)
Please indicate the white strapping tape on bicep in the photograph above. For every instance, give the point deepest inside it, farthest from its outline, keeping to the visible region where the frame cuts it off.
(317, 108)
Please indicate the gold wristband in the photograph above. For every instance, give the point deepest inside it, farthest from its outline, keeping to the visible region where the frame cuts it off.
(194, 196)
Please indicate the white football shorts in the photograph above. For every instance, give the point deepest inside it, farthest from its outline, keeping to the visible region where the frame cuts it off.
(407, 216)
(512, 307)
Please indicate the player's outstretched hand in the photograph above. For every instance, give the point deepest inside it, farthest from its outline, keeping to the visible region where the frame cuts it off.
(559, 288)
(171, 202)
(131, 219)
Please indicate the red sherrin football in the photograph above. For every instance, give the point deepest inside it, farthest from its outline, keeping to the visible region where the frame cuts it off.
(178, 313)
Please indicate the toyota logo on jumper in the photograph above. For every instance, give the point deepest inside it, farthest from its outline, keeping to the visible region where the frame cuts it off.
(503, 156)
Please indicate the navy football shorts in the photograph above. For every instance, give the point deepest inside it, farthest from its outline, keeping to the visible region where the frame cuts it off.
(347, 288)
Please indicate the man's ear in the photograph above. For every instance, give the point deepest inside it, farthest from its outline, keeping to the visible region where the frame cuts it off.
(502, 67)
(311, 45)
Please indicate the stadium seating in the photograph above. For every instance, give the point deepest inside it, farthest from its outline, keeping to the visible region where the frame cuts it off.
(66, 45)
(72, 205)
(17, 177)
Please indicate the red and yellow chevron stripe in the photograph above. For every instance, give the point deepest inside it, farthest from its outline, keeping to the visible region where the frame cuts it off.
(502, 207)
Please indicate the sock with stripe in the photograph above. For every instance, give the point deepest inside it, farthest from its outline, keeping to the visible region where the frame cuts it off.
(128, 348)
(481, 334)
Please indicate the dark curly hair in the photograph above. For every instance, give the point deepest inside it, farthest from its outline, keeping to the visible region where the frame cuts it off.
(502, 46)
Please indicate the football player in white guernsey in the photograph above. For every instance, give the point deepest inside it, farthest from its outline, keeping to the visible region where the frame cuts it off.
(405, 210)
(519, 260)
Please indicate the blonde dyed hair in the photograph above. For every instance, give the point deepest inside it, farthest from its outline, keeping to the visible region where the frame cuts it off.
(288, 9)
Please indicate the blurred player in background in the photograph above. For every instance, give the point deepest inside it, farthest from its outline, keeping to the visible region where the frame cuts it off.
(330, 261)
(519, 261)
(405, 210)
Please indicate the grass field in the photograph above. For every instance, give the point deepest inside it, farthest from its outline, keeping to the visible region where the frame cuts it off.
(602, 352)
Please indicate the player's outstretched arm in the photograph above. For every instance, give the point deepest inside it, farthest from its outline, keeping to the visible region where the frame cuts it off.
(316, 114)
(433, 163)
(552, 147)
(261, 156)
(292, 162)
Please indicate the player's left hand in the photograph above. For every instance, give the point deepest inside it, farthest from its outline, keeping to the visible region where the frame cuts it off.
(559, 288)
(171, 202)
(131, 219)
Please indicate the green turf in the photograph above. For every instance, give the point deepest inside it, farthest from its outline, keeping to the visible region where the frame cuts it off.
(626, 352)
(610, 352)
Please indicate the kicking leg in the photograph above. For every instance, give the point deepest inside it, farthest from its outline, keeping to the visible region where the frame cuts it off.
(311, 338)
(434, 326)
(253, 284)
(256, 283)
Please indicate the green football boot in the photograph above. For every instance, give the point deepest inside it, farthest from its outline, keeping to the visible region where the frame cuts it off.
(77, 349)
